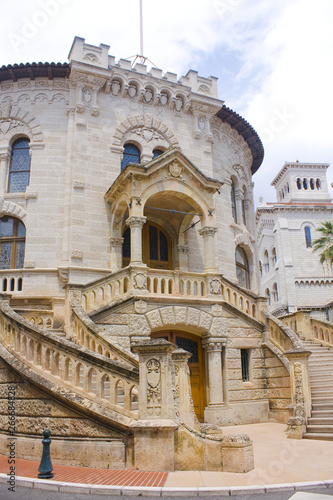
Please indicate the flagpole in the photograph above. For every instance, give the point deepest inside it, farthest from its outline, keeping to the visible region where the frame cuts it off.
(141, 34)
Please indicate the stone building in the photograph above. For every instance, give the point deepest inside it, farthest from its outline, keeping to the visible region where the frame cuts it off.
(291, 275)
(131, 321)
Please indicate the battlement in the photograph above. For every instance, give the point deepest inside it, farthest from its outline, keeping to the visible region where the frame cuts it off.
(99, 57)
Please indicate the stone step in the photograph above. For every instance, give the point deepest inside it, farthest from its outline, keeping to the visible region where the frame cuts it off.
(320, 428)
(322, 414)
(321, 393)
(322, 406)
(321, 421)
(322, 399)
(318, 435)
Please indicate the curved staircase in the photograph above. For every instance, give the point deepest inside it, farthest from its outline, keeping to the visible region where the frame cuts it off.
(320, 424)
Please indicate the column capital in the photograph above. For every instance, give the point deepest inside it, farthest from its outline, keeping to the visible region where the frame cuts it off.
(116, 242)
(183, 248)
(208, 231)
(136, 221)
(214, 343)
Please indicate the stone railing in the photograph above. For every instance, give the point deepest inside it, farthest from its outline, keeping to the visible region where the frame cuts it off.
(43, 319)
(107, 382)
(310, 328)
(86, 334)
(142, 281)
(286, 344)
(11, 281)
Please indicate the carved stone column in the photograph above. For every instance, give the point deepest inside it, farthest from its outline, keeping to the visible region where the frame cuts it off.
(239, 205)
(4, 161)
(116, 253)
(135, 224)
(208, 235)
(213, 347)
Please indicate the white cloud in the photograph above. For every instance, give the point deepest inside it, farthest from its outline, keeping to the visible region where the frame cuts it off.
(274, 57)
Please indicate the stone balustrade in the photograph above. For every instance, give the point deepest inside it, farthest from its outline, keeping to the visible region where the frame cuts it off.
(163, 283)
(310, 328)
(286, 344)
(108, 382)
(11, 281)
(86, 334)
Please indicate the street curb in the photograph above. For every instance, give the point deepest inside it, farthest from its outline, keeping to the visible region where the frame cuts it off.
(89, 489)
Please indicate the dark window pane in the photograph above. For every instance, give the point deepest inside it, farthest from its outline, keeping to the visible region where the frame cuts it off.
(131, 155)
(189, 346)
(19, 254)
(18, 182)
(157, 152)
(127, 244)
(308, 239)
(245, 364)
(153, 249)
(5, 255)
(233, 202)
(6, 227)
(21, 230)
(164, 247)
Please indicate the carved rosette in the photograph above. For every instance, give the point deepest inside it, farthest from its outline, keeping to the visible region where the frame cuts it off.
(154, 397)
(140, 306)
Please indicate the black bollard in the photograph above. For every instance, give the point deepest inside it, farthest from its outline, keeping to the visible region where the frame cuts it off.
(45, 468)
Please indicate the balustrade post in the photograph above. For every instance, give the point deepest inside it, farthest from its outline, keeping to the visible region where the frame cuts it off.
(73, 299)
(154, 431)
(180, 358)
(300, 392)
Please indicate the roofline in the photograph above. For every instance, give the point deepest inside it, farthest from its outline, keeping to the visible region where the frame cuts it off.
(248, 133)
(33, 70)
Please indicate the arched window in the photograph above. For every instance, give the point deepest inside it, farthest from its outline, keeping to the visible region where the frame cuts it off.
(312, 184)
(268, 295)
(157, 152)
(242, 268)
(299, 183)
(275, 295)
(308, 239)
(131, 155)
(233, 201)
(274, 258)
(266, 262)
(318, 183)
(12, 243)
(305, 183)
(19, 171)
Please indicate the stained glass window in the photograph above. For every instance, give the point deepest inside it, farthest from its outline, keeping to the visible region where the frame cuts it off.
(131, 155)
(12, 243)
(19, 172)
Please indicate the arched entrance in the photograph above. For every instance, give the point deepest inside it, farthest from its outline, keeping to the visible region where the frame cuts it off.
(196, 363)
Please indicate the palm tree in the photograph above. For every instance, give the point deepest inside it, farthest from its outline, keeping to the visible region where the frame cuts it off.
(324, 244)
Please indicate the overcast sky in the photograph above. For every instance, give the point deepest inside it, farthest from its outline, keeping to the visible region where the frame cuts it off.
(273, 58)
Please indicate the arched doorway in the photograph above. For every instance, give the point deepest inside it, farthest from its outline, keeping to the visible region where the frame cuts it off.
(156, 247)
(196, 363)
